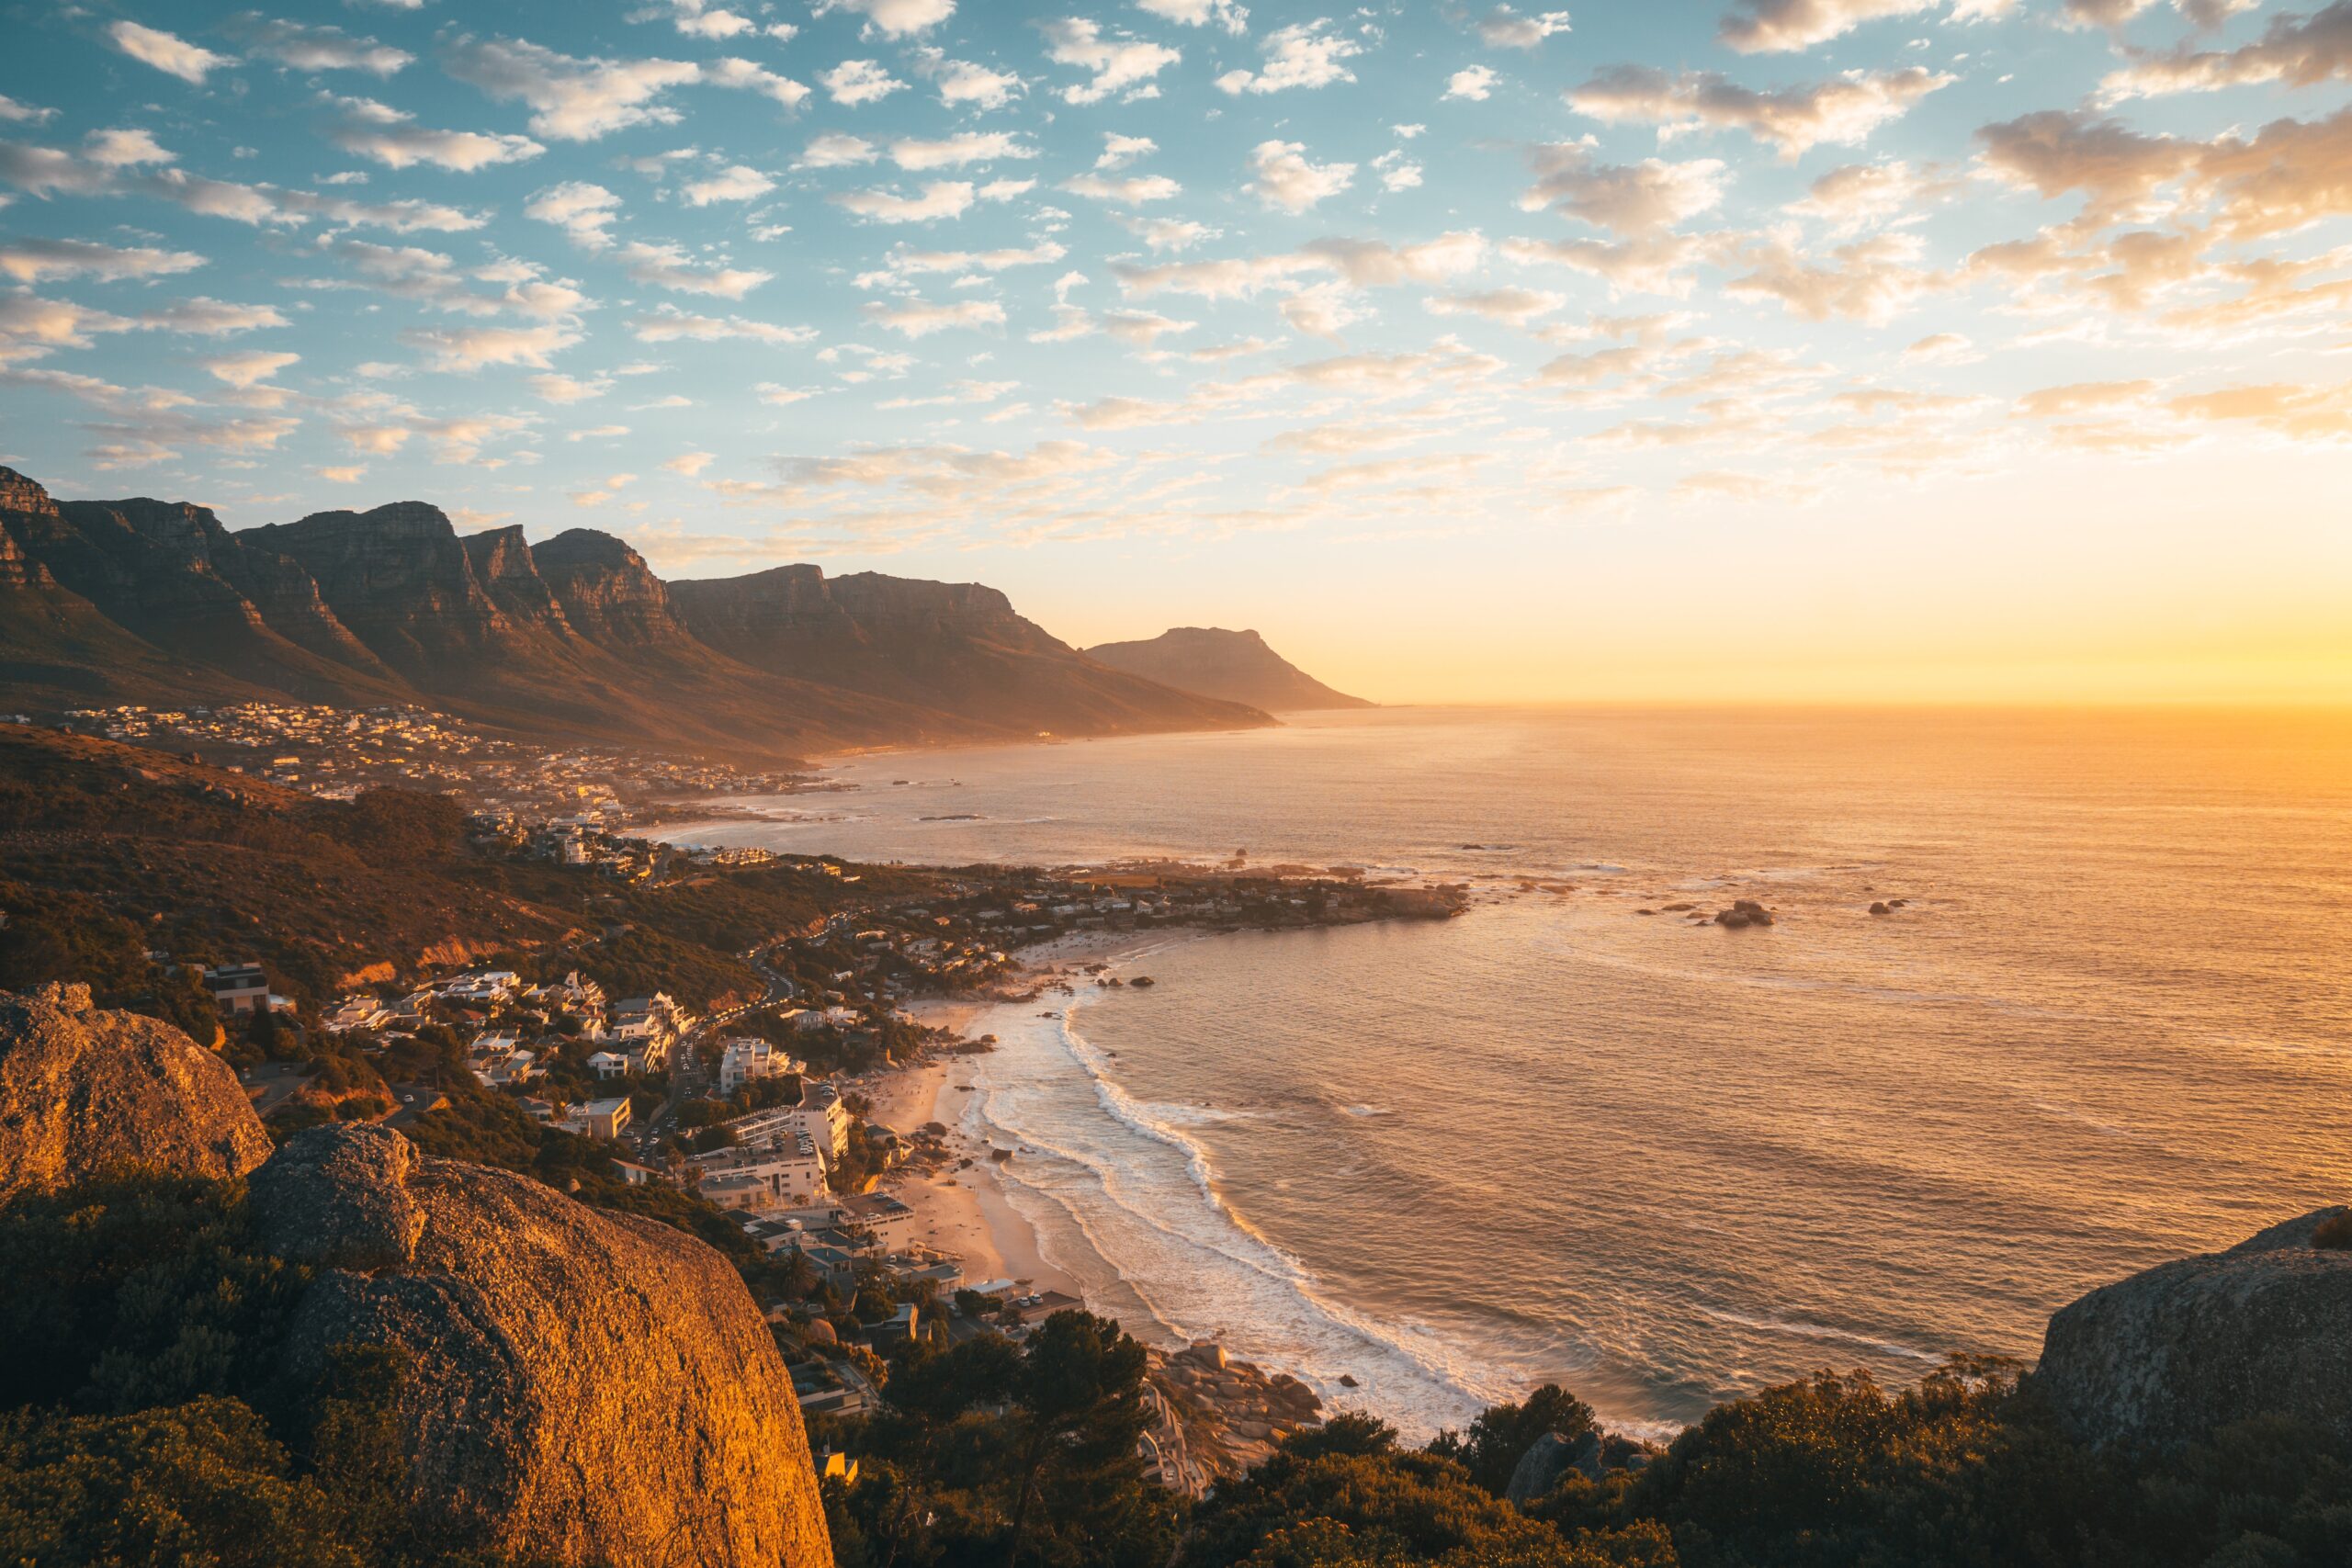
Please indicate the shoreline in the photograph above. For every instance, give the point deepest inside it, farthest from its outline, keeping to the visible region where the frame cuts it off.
(965, 1210)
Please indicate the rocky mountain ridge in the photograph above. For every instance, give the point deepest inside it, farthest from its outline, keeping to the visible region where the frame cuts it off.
(1236, 667)
(145, 601)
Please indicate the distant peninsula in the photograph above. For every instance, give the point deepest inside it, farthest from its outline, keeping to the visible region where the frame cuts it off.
(1233, 667)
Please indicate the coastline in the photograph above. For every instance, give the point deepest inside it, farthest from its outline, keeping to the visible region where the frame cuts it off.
(968, 1213)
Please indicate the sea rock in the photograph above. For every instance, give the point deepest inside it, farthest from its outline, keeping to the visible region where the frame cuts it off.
(582, 1387)
(87, 1090)
(1744, 912)
(2167, 1354)
(1878, 907)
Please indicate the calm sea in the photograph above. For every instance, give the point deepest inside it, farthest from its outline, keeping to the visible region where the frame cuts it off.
(1665, 1163)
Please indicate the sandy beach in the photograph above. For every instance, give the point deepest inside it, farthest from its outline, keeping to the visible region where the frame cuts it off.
(964, 1213)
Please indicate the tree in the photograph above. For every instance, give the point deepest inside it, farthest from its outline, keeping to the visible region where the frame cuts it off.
(1502, 1434)
(1079, 1420)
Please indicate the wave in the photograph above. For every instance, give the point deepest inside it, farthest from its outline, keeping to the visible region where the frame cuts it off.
(1803, 1329)
(1271, 1309)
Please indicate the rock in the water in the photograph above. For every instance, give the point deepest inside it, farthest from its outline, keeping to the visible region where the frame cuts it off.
(582, 1387)
(2167, 1354)
(85, 1090)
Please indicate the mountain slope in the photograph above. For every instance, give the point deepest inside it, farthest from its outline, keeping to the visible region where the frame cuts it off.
(574, 639)
(1235, 666)
(958, 646)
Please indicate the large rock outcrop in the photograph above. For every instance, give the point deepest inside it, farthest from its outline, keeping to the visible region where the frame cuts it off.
(2167, 1354)
(87, 1090)
(583, 1387)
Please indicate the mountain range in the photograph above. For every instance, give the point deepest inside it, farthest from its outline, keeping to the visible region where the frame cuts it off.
(572, 639)
(1237, 667)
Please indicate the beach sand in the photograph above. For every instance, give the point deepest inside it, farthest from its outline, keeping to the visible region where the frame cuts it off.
(963, 1213)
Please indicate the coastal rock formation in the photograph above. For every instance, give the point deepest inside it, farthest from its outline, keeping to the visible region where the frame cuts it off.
(1236, 666)
(1550, 1458)
(85, 1090)
(1744, 912)
(2167, 1354)
(1222, 1418)
(582, 1387)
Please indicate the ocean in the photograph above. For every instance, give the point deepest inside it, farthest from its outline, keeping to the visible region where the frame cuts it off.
(1663, 1163)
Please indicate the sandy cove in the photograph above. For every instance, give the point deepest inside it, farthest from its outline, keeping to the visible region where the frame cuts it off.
(964, 1213)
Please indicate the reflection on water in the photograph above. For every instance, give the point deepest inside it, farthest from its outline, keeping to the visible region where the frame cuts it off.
(1663, 1161)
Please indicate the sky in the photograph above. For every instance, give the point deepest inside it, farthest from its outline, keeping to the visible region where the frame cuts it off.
(1718, 349)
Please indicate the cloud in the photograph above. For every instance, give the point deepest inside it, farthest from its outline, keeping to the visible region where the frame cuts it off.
(2296, 50)
(2053, 152)
(583, 211)
(567, 389)
(667, 323)
(1124, 65)
(964, 82)
(1760, 26)
(1476, 83)
(699, 18)
(1843, 110)
(1396, 172)
(1119, 151)
(739, 182)
(428, 278)
(915, 154)
(571, 100)
(836, 150)
(1857, 195)
(1513, 307)
(902, 262)
(1503, 27)
(1658, 264)
(249, 368)
(691, 463)
(392, 138)
(1168, 233)
(752, 78)
(940, 199)
(1635, 200)
(306, 47)
(37, 260)
(474, 348)
(1943, 348)
(1870, 280)
(918, 318)
(893, 18)
(668, 267)
(1361, 264)
(1133, 191)
(1284, 178)
(1233, 18)
(172, 55)
(1301, 55)
(856, 82)
(10, 109)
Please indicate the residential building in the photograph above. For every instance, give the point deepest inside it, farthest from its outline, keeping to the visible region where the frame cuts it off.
(606, 1119)
(239, 988)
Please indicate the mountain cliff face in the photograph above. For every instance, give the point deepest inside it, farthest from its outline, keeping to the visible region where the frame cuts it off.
(86, 1091)
(1236, 666)
(584, 1387)
(572, 639)
(958, 646)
